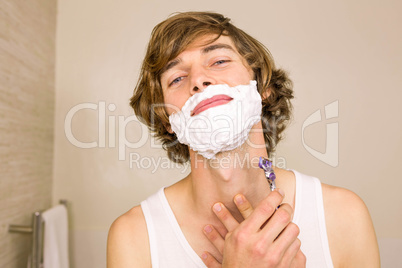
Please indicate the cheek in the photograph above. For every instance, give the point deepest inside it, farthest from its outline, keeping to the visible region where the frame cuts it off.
(245, 78)
(251, 74)
(245, 75)
(174, 104)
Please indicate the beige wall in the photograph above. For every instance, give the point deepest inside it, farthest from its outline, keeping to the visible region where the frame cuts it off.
(346, 51)
(27, 55)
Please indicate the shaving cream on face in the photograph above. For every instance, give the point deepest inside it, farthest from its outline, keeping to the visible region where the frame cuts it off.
(219, 128)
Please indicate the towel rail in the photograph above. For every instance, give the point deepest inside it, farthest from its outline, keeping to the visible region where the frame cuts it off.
(36, 229)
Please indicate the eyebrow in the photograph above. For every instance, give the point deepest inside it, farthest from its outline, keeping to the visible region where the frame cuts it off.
(205, 50)
(170, 65)
(210, 48)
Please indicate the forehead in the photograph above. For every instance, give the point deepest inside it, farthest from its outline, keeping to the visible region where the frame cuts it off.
(207, 40)
(204, 45)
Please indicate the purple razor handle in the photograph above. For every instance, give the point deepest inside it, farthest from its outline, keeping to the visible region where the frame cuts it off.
(266, 165)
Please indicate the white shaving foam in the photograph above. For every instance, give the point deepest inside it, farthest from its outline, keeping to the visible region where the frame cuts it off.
(221, 128)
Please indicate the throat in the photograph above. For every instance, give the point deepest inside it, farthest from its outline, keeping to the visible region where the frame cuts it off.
(220, 180)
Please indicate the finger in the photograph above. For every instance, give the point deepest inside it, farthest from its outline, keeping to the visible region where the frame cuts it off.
(225, 216)
(287, 244)
(243, 205)
(215, 237)
(277, 224)
(210, 260)
(263, 211)
(299, 261)
(288, 259)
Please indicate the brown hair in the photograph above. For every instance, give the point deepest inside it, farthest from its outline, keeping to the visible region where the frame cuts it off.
(171, 37)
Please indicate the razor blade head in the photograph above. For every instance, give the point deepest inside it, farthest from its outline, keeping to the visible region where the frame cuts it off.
(265, 164)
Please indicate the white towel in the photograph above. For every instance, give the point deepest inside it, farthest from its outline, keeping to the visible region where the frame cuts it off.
(55, 244)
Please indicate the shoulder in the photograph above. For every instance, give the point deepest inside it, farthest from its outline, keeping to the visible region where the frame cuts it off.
(128, 244)
(351, 235)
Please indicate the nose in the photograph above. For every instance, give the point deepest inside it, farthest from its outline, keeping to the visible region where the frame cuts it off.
(200, 80)
(196, 89)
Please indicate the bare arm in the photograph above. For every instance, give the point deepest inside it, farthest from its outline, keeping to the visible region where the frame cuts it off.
(128, 244)
(351, 234)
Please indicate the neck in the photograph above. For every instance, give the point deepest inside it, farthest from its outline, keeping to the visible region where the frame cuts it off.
(230, 173)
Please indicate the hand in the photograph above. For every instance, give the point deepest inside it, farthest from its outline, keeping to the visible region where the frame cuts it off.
(266, 238)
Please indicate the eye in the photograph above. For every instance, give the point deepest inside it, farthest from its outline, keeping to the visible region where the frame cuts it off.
(220, 62)
(176, 80)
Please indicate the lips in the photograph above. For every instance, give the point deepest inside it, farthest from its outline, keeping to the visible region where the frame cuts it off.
(211, 102)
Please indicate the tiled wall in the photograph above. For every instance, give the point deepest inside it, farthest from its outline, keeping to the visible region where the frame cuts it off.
(27, 58)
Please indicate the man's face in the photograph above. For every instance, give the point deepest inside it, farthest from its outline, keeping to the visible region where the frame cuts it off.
(202, 65)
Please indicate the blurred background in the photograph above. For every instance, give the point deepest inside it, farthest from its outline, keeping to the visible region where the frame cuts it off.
(69, 67)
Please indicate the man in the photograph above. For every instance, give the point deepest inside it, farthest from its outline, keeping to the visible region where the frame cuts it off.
(199, 79)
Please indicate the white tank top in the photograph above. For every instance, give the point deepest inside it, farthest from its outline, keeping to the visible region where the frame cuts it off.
(169, 247)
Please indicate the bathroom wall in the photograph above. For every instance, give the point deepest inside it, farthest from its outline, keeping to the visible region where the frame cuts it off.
(344, 53)
(27, 62)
